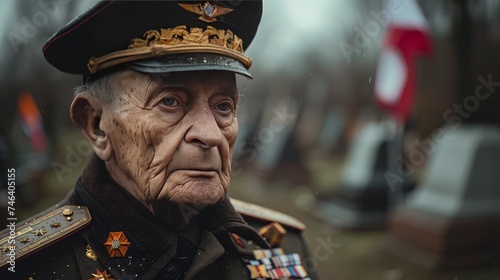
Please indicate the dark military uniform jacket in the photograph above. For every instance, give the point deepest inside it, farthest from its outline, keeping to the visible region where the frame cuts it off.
(101, 232)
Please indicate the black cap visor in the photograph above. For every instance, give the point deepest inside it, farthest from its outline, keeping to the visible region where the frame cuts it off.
(188, 62)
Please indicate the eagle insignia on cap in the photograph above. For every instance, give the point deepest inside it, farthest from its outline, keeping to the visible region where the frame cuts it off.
(208, 12)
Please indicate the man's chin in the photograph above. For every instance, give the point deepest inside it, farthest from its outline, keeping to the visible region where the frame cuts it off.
(197, 201)
(200, 193)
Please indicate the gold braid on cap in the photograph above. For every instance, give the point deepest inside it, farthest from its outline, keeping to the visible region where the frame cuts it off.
(174, 41)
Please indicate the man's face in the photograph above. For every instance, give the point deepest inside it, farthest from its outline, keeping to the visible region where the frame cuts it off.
(173, 135)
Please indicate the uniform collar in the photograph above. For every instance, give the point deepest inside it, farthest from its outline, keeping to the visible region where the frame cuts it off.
(113, 209)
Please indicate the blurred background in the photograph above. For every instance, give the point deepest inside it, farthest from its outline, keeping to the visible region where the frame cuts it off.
(375, 122)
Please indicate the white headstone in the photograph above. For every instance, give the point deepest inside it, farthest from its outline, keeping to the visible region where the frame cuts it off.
(463, 178)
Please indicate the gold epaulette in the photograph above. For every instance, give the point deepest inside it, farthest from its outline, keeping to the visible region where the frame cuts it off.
(19, 240)
(266, 214)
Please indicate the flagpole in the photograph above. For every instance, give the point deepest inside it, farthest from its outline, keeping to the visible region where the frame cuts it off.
(405, 38)
(395, 162)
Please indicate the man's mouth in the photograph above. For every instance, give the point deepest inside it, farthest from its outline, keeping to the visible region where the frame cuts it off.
(209, 173)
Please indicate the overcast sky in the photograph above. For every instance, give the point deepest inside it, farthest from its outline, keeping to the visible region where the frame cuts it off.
(288, 30)
(295, 27)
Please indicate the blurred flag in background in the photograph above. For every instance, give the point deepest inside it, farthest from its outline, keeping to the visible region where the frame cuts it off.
(406, 37)
(31, 121)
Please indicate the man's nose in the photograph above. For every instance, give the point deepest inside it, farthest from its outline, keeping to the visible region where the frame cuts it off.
(204, 130)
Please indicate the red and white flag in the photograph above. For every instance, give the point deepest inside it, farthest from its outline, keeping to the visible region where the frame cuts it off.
(406, 37)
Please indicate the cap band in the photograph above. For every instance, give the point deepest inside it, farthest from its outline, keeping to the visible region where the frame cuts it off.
(175, 40)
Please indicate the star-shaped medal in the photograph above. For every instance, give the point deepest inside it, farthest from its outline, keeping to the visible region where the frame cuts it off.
(117, 244)
(102, 275)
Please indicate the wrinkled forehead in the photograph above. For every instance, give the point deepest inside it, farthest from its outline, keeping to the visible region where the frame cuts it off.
(215, 81)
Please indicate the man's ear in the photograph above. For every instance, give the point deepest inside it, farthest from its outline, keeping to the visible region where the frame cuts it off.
(86, 113)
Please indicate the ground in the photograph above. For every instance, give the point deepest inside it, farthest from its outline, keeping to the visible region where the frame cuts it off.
(351, 255)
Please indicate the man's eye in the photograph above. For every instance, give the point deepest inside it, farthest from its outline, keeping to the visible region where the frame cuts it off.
(170, 102)
(225, 107)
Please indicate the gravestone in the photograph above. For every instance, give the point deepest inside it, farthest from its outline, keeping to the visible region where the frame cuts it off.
(453, 218)
(361, 200)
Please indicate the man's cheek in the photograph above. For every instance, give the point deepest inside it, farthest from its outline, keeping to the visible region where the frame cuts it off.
(230, 131)
(230, 146)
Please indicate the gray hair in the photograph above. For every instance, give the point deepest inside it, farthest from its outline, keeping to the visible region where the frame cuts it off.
(104, 89)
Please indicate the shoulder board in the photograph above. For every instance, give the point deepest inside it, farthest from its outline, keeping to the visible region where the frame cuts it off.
(22, 239)
(266, 214)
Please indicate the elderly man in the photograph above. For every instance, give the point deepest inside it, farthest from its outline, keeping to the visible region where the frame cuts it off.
(158, 105)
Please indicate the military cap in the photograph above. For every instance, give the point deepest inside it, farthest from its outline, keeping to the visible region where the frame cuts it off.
(156, 37)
